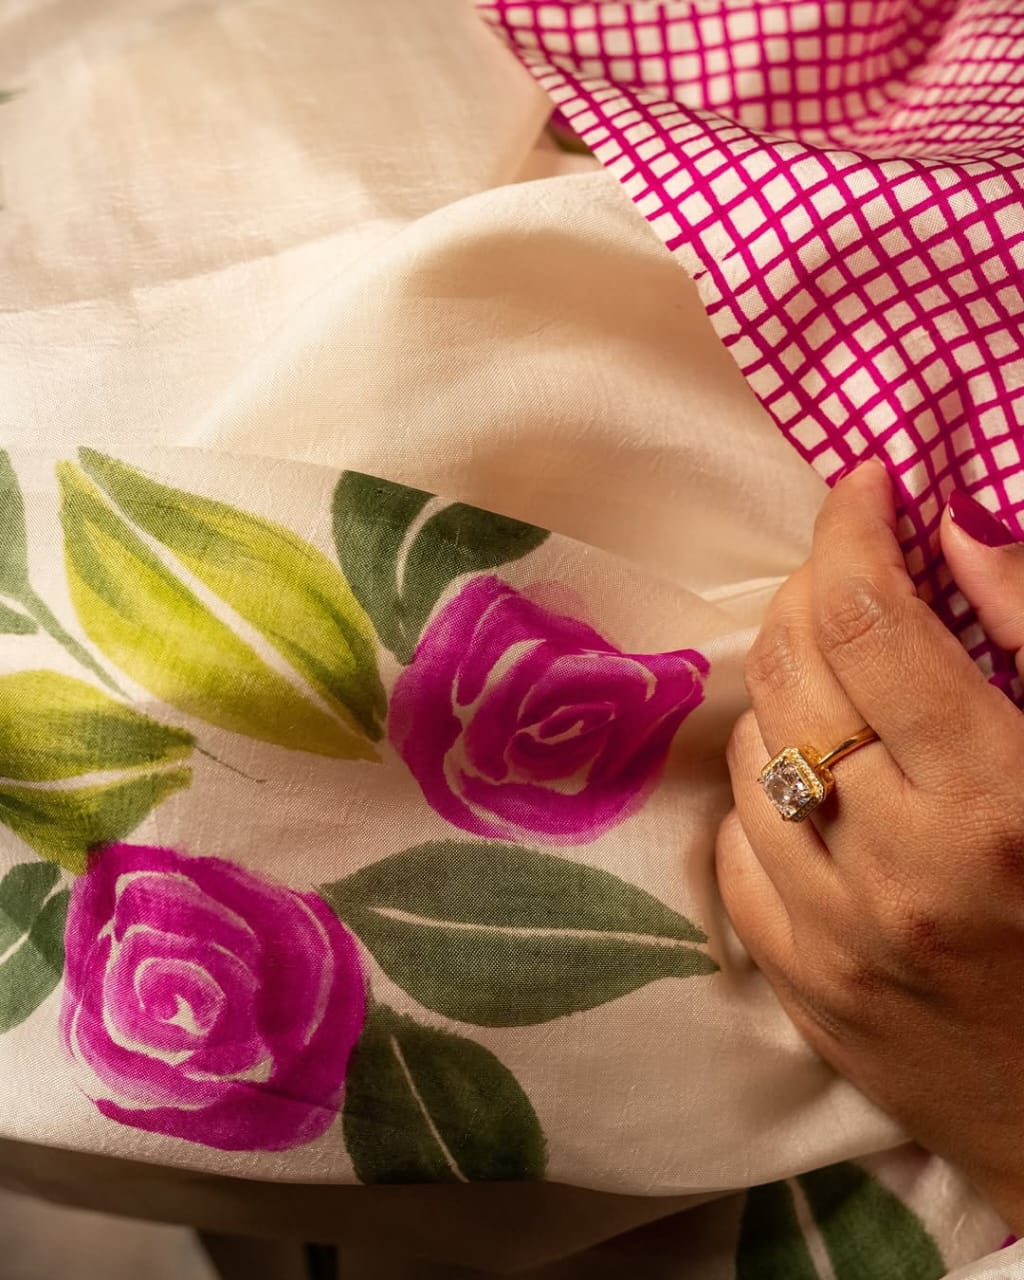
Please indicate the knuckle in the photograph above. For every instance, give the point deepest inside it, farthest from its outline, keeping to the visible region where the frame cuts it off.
(853, 617)
(1001, 836)
(921, 935)
(774, 662)
(836, 996)
(860, 979)
(918, 927)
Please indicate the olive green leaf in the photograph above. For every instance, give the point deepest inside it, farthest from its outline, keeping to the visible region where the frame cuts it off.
(771, 1244)
(56, 735)
(31, 940)
(423, 1105)
(147, 620)
(500, 936)
(868, 1231)
(13, 545)
(399, 556)
(13, 623)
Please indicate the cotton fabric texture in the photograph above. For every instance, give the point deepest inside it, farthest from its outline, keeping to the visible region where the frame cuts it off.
(352, 834)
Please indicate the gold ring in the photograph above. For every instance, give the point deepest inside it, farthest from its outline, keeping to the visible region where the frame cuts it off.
(798, 779)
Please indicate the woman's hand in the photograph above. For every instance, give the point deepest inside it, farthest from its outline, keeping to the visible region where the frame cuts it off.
(891, 923)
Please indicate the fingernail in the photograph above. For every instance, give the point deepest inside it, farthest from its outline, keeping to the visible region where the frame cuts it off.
(978, 523)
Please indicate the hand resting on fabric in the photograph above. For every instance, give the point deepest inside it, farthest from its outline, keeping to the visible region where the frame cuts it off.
(891, 922)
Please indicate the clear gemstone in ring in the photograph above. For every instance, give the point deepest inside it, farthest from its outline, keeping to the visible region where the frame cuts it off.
(794, 784)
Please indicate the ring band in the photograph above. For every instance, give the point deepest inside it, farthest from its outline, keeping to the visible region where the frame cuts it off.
(799, 779)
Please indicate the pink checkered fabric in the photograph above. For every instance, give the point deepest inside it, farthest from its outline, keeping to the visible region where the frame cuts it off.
(844, 180)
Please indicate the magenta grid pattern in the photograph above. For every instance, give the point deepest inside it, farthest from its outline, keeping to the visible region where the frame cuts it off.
(844, 180)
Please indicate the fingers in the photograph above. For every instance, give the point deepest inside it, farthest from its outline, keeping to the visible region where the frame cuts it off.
(904, 672)
(987, 563)
(799, 702)
(792, 951)
(792, 855)
(796, 697)
(752, 901)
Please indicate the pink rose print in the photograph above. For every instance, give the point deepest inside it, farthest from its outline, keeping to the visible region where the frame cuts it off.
(206, 1003)
(519, 723)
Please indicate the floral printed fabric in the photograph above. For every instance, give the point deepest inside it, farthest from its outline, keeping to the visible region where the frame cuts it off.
(192, 987)
(518, 723)
(207, 1003)
(238, 295)
(844, 182)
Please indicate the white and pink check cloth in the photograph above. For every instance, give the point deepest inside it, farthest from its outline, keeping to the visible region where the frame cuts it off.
(844, 181)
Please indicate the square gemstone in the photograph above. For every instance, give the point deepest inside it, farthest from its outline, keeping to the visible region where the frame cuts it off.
(792, 785)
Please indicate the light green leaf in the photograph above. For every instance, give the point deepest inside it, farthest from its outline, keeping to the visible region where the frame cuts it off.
(64, 824)
(868, 1231)
(13, 547)
(280, 584)
(423, 1105)
(399, 567)
(31, 940)
(500, 936)
(153, 626)
(13, 623)
(771, 1244)
(54, 727)
(55, 730)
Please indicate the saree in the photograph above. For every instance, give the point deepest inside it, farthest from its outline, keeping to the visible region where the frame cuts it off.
(385, 517)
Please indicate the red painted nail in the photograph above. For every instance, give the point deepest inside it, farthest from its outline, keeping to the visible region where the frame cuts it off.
(981, 525)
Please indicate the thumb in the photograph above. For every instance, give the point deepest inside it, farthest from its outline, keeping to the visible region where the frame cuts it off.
(987, 562)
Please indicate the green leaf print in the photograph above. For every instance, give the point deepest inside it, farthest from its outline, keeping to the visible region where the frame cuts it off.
(401, 547)
(867, 1231)
(771, 1244)
(13, 544)
(65, 824)
(14, 580)
(423, 1105)
(13, 623)
(153, 625)
(56, 735)
(499, 936)
(281, 585)
(31, 940)
(53, 726)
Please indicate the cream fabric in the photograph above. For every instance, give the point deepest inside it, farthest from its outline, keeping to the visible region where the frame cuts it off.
(250, 244)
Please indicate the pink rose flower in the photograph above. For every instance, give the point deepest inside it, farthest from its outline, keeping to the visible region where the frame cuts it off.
(519, 723)
(205, 1003)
